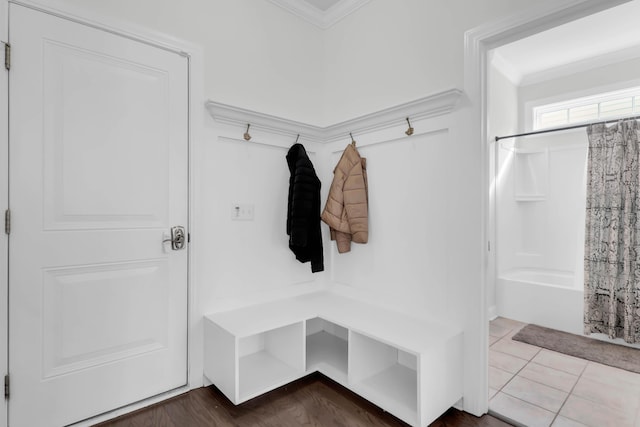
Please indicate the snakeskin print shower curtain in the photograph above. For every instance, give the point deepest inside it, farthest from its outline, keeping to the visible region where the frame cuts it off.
(612, 238)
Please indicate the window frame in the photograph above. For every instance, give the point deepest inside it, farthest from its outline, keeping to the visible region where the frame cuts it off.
(572, 101)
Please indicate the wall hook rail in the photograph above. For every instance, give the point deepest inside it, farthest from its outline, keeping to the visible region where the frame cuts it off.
(409, 131)
(246, 135)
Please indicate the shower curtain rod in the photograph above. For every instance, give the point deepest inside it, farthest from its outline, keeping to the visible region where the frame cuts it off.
(498, 138)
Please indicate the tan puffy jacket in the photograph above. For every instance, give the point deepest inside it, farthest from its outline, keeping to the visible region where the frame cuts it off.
(346, 210)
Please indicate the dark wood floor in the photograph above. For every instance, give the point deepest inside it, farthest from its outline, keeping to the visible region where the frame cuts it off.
(312, 401)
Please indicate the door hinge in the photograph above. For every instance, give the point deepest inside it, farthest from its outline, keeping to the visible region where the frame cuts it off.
(6, 386)
(7, 56)
(7, 221)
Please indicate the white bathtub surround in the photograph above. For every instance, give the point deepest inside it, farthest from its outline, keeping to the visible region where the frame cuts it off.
(540, 199)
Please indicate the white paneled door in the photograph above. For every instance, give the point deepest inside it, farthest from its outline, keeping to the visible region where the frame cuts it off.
(98, 177)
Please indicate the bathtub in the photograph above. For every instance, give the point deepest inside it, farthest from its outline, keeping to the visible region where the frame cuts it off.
(540, 277)
(545, 297)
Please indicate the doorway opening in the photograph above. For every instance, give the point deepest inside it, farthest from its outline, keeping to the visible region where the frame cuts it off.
(537, 205)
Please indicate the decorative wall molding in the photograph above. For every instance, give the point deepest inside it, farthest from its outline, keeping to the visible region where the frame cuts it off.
(320, 18)
(431, 106)
(229, 114)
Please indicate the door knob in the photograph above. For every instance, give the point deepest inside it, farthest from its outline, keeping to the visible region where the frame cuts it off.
(178, 238)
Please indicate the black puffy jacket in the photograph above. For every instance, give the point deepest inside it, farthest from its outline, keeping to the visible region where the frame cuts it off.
(303, 209)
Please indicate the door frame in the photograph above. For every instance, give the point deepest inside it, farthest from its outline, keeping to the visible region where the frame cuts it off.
(196, 115)
(478, 42)
(4, 201)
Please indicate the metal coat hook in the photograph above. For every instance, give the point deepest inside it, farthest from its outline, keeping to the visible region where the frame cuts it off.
(353, 141)
(409, 131)
(246, 134)
(297, 138)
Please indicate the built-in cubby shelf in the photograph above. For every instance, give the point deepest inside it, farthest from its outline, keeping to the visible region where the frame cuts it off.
(410, 367)
(272, 357)
(327, 349)
(385, 375)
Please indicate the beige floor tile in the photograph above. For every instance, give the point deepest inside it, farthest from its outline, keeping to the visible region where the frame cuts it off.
(609, 374)
(548, 376)
(560, 361)
(496, 330)
(506, 362)
(594, 415)
(508, 323)
(492, 392)
(498, 378)
(520, 411)
(566, 422)
(535, 393)
(510, 335)
(515, 348)
(493, 340)
(622, 397)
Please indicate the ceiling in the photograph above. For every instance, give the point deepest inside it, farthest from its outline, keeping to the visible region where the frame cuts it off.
(322, 13)
(596, 40)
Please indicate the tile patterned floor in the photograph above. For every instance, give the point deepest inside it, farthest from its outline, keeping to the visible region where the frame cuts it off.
(538, 387)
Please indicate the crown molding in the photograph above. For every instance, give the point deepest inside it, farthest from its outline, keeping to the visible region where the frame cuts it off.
(319, 18)
(429, 106)
(237, 116)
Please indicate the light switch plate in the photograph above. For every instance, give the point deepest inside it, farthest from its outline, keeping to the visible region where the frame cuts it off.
(242, 212)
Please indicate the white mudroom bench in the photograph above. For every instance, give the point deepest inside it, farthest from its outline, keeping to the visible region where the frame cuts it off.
(410, 367)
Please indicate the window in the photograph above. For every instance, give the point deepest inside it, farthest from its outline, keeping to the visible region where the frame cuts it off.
(604, 106)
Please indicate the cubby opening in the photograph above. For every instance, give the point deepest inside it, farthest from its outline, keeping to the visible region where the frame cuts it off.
(327, 349)
(270, 359)
(531, 173)
(386, 375)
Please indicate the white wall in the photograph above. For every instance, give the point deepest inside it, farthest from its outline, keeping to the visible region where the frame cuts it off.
(257, 55)
(242, 262)
(260, 57)
(391, 52)
(405, 264)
